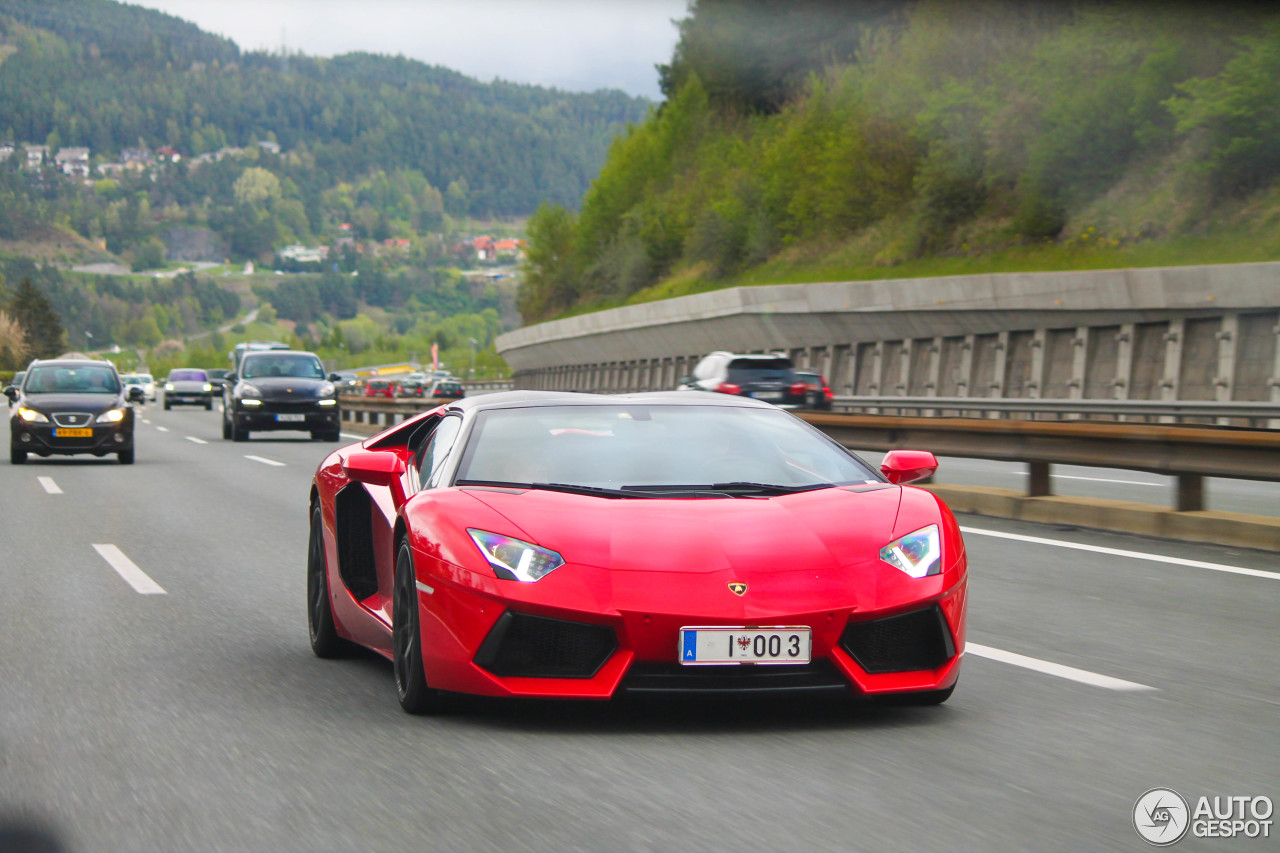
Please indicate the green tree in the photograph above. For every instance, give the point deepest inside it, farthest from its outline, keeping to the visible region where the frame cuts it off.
(32, 311)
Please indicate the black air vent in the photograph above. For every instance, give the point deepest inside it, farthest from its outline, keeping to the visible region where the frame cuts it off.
(355, 541)
(538, 647)
(911, 641)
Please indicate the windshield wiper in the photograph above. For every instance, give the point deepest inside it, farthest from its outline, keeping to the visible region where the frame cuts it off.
(568, 488)
(737, 488)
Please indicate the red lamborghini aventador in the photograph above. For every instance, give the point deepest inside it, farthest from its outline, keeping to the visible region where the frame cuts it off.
(544, 544)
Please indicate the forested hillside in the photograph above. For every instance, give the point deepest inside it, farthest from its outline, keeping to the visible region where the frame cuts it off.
(807, 139)
(108, 76)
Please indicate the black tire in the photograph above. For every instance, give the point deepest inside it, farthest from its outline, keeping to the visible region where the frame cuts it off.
(208, 405)
(126, 456)
(406, 641)
(167, 405)
(238, 434)
(336, 435)
(226, 428)
(325, 641)
(16, 456)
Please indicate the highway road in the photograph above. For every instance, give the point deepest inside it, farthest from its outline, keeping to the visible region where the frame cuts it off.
(159, 695)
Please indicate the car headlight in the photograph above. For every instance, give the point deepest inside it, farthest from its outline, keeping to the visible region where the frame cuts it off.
(111, 416)
(513, 559)
(206, 387)
(917, 554)
(168, 386)
(326, 390)
(251, 403)
(31, 415)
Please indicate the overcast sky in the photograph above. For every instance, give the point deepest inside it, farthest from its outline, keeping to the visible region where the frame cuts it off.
(580, 45)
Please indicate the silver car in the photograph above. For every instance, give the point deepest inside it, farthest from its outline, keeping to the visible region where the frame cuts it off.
(190, 386)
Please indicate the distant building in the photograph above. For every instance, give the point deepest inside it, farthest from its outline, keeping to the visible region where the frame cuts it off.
(109, 169)
(268, 146)
(168, 153)
(508, 250)
(6, 151)
(73, 161)
(36, 155)
(304, 254)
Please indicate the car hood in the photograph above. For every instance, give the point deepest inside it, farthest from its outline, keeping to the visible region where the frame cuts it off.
(829, 528)
(286, 387)
(92, 403)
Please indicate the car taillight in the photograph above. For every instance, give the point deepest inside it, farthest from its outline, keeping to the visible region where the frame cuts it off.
(799, 388)
(827, 392)
(729, 388)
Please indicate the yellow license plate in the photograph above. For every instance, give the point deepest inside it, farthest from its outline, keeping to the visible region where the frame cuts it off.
(63, 432)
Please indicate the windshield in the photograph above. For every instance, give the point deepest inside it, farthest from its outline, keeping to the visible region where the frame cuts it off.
(188, 376)
(77, 379)
(760, 370)
(654, 447)
(131, 380)
(293, 365)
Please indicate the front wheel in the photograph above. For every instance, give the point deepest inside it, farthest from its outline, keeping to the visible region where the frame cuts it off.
(16, 456)
(411, 681)
(126, 457)
(325, 641)
(238, 434)
(208, 406)
(226, 428)
(167, 405)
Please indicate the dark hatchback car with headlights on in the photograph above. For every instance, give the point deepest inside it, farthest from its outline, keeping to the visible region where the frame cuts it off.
(69, 406)
(217, 378)
(187, 385)
(278, 390)
(767, 377)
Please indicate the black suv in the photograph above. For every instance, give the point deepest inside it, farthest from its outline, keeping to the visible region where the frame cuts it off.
(280, 389)
(767, 377)
(67, 406)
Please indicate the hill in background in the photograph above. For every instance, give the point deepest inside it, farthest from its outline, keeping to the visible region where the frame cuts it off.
(818, 140)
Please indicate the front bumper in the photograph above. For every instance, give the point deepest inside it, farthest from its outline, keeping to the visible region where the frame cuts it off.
(289, 415)
(855, 651)
(42, 440)
(195, 398)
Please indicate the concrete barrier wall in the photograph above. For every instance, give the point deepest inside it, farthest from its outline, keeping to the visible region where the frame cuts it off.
(1174, 333)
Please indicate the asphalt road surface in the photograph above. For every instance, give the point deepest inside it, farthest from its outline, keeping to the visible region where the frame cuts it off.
(157, 693)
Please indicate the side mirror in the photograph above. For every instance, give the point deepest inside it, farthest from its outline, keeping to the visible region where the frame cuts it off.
(685, 380)
(333, 377)
(11, 391)
(136, 394)
(908, 466)
(231, 379)
(375, 467)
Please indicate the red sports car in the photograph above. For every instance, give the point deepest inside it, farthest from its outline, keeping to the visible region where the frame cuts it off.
(544, 544)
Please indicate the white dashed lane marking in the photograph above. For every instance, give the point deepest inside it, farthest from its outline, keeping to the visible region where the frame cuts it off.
(1117, 552)
(265, 461)
(1083, 676)
(134, 576)
(49, 485)
(195, 440)
(163, 429)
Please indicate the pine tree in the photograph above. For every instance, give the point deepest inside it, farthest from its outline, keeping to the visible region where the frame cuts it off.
(34, 313)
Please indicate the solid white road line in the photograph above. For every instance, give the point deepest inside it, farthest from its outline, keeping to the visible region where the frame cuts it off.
(136, 577)
(163, 429)
(1070, 673)
(49, 486)
(271, 462)
(353, 436)
(192, 438)
(1117, 552)
(1095, 479)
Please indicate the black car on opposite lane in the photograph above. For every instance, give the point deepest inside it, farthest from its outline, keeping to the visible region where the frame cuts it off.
(279, 390)
(69, 406)
(769, 377)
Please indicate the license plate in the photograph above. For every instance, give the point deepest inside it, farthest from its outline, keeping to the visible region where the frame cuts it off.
(720, 645)
(286, 419)
(64, 432)
(767, 395)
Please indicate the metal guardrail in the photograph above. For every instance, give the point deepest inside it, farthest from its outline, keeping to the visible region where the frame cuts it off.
(1165, 410)
(1187, 453)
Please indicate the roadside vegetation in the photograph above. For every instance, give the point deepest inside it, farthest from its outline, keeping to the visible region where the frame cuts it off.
(817, 141)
